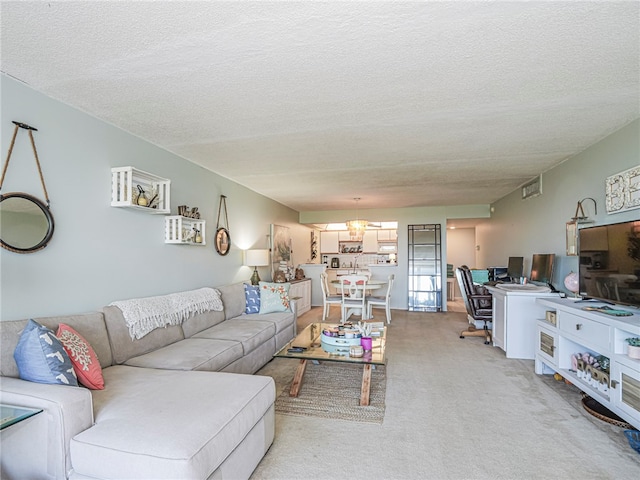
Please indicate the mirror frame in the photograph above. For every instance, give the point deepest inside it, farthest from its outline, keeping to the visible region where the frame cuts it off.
(47, 213)
(223, 247)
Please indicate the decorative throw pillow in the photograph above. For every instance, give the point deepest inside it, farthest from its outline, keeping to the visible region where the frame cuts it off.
(252, 295)
(274, 297)
(83, 357)
(41, 357)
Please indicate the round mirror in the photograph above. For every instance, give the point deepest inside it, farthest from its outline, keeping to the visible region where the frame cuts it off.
(26, 224)
(223, 241)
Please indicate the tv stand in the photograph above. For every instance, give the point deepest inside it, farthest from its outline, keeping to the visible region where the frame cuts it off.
(566, 329)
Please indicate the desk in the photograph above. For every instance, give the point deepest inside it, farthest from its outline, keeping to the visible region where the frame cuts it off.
(371, 285)
(515, 315)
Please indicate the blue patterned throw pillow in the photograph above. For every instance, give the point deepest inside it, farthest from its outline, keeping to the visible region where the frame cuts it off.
(252, 295)
(274, 297)
(41, 357)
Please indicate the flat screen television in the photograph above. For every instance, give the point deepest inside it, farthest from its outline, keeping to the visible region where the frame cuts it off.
(610, 262)
(542, 268)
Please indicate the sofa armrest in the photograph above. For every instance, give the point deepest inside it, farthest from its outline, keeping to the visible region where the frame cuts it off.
(68, 411)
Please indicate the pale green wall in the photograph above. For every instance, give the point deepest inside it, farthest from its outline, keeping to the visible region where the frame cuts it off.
(98, 253)
(537, 225)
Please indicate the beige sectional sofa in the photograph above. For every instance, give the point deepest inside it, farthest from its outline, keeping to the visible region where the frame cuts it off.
(178, 403)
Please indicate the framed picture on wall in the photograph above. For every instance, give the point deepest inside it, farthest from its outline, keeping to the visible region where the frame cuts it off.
(572, 238)
(281, 259)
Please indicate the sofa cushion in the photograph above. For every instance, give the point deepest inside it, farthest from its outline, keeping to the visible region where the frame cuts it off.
(141, 432)
(201, 321)
(233, 299)
(191, 354)
(41, 357)
(281, 320)
(124, 347)
(251, 334)
(83, 358)
(274, 297)
(252, 297)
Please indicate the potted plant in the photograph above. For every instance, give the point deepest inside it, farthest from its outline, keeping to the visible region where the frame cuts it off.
(634, 347)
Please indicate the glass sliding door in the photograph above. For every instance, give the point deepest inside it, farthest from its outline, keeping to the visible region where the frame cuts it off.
(425, 268)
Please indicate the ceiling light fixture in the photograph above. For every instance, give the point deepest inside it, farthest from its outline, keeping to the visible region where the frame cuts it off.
(357, 227)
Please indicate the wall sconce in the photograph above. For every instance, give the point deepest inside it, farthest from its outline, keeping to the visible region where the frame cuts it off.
(255, 259)
(579, 218)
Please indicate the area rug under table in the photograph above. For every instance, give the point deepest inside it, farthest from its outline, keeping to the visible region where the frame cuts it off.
(332, 390)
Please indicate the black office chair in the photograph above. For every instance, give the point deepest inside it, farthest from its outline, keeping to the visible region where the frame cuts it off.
(478, 302)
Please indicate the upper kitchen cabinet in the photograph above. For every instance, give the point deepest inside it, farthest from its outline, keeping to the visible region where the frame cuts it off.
(388, 235)
(370, 241)
(329, 242)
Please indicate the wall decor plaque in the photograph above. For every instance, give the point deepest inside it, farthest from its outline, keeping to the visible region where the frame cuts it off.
(622, 191)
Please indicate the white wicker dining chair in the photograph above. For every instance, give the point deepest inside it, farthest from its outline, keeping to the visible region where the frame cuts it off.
(327, 298)
(352, 289)
(381, 301)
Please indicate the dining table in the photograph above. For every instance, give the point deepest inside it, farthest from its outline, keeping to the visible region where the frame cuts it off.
(361, 290)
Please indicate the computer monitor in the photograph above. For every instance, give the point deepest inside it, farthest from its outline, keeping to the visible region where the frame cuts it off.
(515, 268)
(542, 268)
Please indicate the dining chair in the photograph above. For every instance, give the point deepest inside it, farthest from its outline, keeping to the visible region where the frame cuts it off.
(327, 298)
(352, 289)
(381, 301)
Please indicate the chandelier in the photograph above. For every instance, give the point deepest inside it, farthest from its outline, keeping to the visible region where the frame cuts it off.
(357, 227)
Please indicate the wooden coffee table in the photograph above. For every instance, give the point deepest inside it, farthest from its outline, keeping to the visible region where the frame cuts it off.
(317, 351)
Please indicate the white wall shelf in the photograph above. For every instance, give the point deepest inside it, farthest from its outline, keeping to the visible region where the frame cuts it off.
(124, 190)
(181, 230)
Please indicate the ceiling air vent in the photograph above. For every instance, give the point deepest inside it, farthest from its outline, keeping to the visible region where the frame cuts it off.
(532, 188)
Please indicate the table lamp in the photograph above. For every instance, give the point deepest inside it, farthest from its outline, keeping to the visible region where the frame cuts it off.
(255, 259)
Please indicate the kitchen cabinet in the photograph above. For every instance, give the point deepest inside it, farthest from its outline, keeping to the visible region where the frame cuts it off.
(387, 235)
(329, 242)
(343, 236)
(579, 331)
(370, 241)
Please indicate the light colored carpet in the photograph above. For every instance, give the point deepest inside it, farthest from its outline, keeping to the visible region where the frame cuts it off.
(454, 409)
(332, 390)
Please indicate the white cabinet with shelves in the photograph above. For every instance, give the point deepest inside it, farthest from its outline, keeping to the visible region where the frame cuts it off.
(580, 331)
(184, 231)
(126, 184)
(300, 290)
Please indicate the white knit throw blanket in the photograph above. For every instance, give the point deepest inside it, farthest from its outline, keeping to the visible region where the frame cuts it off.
(143, 315)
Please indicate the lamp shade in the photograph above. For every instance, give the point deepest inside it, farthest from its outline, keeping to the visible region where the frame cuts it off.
(256, 258)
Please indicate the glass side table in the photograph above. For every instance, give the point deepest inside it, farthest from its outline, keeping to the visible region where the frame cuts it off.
(10, 414)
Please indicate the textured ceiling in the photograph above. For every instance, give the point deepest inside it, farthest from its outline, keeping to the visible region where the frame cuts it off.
(314, 103)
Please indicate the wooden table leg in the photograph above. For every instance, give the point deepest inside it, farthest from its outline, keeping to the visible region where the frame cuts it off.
(297, 379)
(366, 385)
